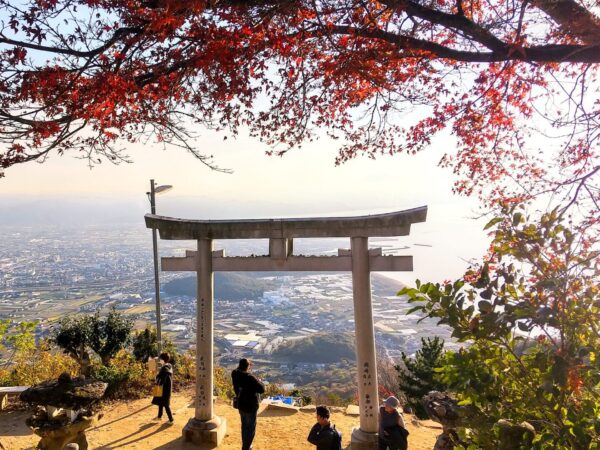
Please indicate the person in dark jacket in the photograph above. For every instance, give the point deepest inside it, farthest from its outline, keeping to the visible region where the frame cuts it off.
(247, 390)
(323, 434)
(392, 431)
(165, 379)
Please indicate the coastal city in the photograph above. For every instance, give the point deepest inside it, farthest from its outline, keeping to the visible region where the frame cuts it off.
(45, 275)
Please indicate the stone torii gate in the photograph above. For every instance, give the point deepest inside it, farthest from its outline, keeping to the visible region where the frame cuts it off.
(205, 426)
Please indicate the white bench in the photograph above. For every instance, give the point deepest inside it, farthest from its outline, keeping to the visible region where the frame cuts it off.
(9, 390)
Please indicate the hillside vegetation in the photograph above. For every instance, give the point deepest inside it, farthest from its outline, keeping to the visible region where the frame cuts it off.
(320, 348)
(229, 286)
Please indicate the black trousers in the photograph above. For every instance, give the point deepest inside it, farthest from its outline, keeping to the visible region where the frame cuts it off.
(168, 409)
(384, 444)
(248, 420)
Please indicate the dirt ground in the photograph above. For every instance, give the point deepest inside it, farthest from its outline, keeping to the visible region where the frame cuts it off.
(129, 425)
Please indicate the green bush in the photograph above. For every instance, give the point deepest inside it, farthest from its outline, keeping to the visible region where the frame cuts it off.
(531, 314)
(106, 336)
(145, 345)
(126, 377)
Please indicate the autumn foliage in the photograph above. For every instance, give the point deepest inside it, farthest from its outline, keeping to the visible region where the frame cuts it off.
(485, 76)
(530, 316)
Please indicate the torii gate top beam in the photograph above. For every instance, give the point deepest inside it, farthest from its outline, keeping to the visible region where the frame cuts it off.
(377, 225)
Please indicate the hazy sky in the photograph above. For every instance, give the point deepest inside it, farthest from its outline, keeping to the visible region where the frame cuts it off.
(305, 182)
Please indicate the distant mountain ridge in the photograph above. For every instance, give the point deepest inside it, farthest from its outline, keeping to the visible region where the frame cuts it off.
(228, 285)
(252, 285)
(319, 348)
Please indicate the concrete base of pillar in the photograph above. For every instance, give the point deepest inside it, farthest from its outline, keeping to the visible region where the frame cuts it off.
(205, 432)
(361, 440)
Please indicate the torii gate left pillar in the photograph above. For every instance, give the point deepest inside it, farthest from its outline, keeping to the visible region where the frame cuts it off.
(205, 427)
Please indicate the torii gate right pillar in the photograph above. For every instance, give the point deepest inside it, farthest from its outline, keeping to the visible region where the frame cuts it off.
(364, 437)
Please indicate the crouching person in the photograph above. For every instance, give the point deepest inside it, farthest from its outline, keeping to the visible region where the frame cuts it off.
(392, 431)
(323, 434)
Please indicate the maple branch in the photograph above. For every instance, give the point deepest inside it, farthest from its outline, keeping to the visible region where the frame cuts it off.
(453, 21)
(64, 135)
(30, 122)
(573, 19)
(540, 53)
(118, 34)
(581, 183)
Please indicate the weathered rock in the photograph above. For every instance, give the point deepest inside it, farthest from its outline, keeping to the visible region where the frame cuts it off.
(308, 408)
(280, 406)
(353, 410)
(75, 394)
(443, 409)
(448, 440)
(513, 436)
(61, 427)
(71, 433)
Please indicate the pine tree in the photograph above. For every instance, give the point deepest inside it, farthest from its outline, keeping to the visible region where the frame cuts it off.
(416, 377)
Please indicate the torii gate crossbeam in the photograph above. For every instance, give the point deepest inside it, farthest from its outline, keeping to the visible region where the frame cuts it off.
(360, 260)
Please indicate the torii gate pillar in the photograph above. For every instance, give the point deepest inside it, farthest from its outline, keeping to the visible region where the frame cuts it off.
(364, 437)
(204, 427)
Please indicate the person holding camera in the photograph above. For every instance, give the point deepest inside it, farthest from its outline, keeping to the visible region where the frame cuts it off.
(247, 398)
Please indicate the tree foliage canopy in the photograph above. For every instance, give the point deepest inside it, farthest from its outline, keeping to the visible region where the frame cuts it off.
(73, 335)
(531, 314)
(78, 335)
(110, 334)
(87, 75)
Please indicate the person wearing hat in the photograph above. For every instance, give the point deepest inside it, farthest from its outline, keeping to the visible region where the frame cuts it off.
(392, 431)
(247, 391)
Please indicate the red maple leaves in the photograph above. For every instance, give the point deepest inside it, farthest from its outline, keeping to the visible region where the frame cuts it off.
(382, 77)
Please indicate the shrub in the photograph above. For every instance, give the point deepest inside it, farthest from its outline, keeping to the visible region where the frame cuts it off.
(145, 345)
(304, 398)
(35, 366)
(110, 334)
(272, 389)
(106, 336)
(416, 377)
(73, 335)
(222, 384)
(126, 377)
(531, 311)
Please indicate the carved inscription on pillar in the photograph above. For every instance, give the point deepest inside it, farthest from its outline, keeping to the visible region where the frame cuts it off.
(201, 316)
(201, 394)
(367, 380)
(201, 371)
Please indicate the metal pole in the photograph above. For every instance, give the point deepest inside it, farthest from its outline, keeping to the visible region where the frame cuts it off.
(156, 272)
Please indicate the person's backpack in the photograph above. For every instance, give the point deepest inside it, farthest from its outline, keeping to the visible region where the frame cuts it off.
(337, 439)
